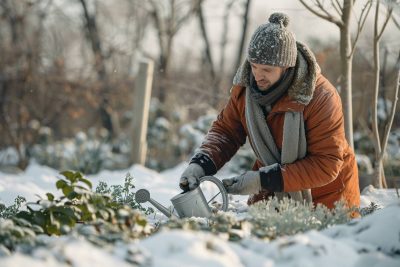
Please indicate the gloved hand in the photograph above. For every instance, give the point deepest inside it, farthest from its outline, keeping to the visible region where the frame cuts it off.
(245, 184)
(191, 176)
(251, 182)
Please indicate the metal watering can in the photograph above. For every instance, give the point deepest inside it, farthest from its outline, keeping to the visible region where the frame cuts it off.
(189, 203)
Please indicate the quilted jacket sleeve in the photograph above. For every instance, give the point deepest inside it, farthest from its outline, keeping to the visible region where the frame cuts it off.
(226, 134)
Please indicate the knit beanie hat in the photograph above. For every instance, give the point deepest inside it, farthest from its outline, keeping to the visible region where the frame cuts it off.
(273, 44)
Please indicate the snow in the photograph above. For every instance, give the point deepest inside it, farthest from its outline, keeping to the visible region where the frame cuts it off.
(374, 229)
(381, 197)
(193, 249)
(371, 241)
(38, 180)
(19, 259)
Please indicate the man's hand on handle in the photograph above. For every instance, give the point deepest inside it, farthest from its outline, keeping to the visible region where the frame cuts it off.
(251, 182)
(244, 184)
(190, 178)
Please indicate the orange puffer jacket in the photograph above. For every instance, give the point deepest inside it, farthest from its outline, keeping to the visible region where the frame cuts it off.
(329, 168)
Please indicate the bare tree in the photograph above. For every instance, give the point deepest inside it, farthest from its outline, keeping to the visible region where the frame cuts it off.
(13, 114)
(169, 17)
(340, 14)
(139, 19)
(396, 15)
(381, 143)
(224, 38)
(31, 94)
(207, 52)
(245, 21)
(93, 35)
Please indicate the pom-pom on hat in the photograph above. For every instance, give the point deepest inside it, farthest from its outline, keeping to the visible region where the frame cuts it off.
(273, 44)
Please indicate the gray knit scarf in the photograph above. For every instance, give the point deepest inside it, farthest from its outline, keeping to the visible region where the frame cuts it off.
(268, 98)
(294, 146)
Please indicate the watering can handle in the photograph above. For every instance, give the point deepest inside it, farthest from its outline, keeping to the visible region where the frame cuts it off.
(221, 188)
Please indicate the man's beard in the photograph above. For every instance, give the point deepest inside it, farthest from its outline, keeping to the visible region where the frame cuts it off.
(264, 85)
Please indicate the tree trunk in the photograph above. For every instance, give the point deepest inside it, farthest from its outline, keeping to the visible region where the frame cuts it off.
(380, 144)
(164, 71)
(346, 62)
(224, 38)
(243, 36)
(377, 181)
(208, 55)
(95, 42)
(382, 92)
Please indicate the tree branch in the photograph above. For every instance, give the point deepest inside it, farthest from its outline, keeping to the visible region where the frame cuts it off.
(245, 19)
(157, 21)
(396, 22)
(193, 9)
(329, 17)
(393, 109)
(204, 33)
(322, 8)
(388, 15)
(340, 6)
(360, 24)
(337, 7)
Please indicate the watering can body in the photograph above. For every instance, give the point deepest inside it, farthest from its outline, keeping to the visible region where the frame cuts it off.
(187, 204)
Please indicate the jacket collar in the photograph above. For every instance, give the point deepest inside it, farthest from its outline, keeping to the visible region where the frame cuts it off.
(302, 88)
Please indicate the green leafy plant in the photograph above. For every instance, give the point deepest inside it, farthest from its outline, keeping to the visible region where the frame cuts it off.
(78, 204)
(57, 216)
(122, 194)
(10, 211)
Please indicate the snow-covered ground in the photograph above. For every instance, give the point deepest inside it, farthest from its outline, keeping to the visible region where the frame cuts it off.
(371, 241)
(38, 180)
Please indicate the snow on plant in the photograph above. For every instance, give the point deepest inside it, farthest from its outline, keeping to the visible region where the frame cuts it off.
(86, 152)
(287, 217)
(10, 211)
(122, 194)
(17, 233)
(81, 153)
(105, 219)
(98, 216)
(9, 156)
(267, 220)
(369, 209)
(79, 204)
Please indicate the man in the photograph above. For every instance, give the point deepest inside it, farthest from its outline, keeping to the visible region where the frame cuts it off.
(293, 118)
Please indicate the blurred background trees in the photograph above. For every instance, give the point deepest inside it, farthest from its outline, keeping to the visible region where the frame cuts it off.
(68, 69)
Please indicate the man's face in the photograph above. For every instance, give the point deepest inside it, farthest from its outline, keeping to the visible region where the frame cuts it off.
(266, 75)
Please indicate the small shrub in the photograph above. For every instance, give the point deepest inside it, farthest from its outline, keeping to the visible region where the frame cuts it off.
(370, 209)
(287, 217)
(86, 152)
(268, 220)
(10, 211)
(122, 194)
(17, 232)
(78, 204)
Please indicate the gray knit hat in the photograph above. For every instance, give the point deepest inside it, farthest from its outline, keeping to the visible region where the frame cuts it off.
(273, 44)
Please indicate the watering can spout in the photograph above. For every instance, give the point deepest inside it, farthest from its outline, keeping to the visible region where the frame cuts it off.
(143, 195)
